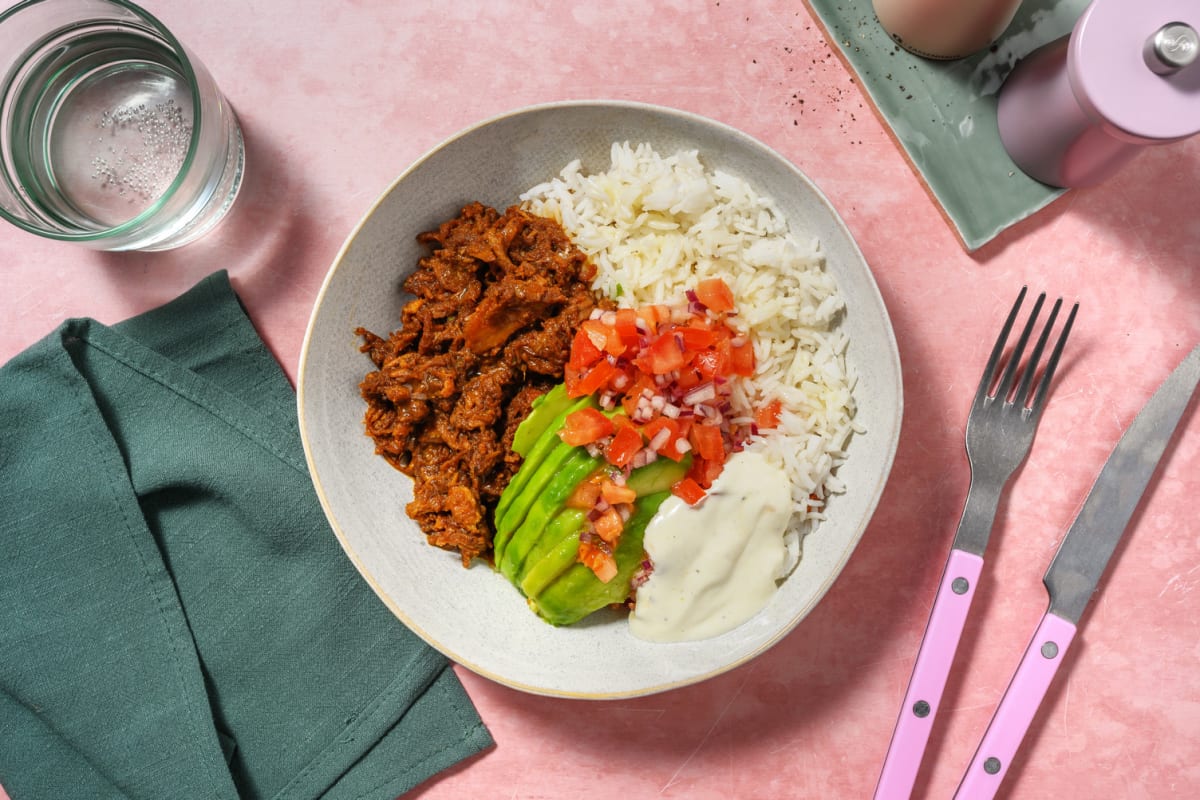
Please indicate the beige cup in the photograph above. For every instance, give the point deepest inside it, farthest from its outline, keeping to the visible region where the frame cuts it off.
(945, 29)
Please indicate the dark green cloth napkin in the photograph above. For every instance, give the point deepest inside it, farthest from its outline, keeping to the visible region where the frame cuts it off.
(176, 617)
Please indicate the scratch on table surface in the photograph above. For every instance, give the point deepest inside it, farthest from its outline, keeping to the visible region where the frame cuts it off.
(708, 734)
(1179, 583)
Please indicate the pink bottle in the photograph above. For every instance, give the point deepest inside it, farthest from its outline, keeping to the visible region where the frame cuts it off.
(1078, 109)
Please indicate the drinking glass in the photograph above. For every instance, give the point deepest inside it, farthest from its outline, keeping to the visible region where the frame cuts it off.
(112, 134)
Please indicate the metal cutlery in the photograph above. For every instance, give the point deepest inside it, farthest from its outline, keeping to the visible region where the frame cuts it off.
(1076, 570)
(1000, 432)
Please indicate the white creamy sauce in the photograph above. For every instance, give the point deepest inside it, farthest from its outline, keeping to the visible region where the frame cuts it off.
(715, 564)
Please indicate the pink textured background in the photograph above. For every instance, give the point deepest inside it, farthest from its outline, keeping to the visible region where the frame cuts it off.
(338, 98)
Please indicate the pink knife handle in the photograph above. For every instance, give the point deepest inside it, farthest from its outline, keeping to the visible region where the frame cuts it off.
(929, 676)
(1017, 708)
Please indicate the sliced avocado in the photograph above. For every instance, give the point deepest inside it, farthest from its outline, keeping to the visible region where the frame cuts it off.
(577, 592)
(544, 507)
(543, 445)
(552, 564)
(524, 498)
(541, 414)
(558, 550)
(659, 475)
(567, 522)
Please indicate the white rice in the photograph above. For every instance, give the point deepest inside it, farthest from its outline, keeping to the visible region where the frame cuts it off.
(655, 226)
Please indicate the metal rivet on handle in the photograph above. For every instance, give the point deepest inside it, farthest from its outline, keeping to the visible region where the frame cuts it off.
(921, 708)
(1049, 650)
(960, 586)
(991, 766)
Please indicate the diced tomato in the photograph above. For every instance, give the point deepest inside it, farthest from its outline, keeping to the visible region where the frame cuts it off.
(584, 352)
(704, 472)
(609, 526)
(624, 446)
(585, 496)
(662, 356)
(689, 491)
(741, 359)
(585, 426)
(634, 392)
(591, 380)
(689, 377)
(708, 442)
(665, 436)
(715, 294)
(616, 495)
(696, 337)
(626, 326)
(653, 316)
(708, 364)
(603, 337)
(766, 417)
(599, 560)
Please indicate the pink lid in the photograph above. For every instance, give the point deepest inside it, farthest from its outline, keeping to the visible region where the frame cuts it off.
(1110, 76)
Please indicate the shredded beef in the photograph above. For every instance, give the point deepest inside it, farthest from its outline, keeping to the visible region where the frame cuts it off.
(495, 306)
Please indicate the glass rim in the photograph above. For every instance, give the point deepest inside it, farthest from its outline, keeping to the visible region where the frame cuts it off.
(189, 158)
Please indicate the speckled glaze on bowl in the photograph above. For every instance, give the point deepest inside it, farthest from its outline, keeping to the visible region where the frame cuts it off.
(473, 615)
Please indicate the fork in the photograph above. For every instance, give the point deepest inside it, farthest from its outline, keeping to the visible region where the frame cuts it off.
(1000, 431)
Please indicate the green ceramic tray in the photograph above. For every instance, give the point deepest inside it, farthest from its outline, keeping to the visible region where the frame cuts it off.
(943, 113)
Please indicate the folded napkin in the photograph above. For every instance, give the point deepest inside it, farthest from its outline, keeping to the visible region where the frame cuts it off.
(176, 617)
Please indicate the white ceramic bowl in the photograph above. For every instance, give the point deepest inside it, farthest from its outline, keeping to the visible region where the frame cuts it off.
(473, 615)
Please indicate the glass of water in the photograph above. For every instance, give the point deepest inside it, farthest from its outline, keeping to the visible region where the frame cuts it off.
(112, 135)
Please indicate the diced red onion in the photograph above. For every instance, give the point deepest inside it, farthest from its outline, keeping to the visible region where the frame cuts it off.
(660, 439)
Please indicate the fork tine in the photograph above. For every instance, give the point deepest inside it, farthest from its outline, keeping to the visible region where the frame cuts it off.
(1044, 386)
(989, 370)
(1014, 361)
(1021, 398)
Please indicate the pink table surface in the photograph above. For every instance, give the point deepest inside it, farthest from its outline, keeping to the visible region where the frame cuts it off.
(336, 99)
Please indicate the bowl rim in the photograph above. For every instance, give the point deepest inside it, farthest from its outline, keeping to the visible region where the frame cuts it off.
(871, 506)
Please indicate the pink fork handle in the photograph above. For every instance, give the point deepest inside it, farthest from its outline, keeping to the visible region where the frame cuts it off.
(1017, 708)
(928, 680)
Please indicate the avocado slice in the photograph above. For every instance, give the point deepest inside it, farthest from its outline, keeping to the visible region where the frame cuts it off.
(562, 525)
(659, 475)
(577, 592)
(536, 480)
(541, 414)
(544, 443)
(552, 564)
(544, 507)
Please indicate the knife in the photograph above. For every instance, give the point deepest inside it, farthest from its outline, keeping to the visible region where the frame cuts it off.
(1076, 570)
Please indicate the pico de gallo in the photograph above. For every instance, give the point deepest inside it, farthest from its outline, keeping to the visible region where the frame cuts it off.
(661, 376)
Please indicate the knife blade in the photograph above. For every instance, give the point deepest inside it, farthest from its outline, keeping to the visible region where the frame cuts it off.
(1074, 573)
